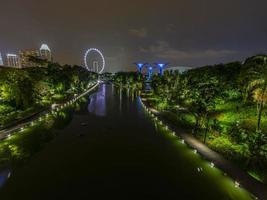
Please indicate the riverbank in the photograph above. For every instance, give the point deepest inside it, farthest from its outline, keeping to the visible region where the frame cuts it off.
(18, 144)
(28, 91)
(120, 154)
(239, 176)
(15, 128)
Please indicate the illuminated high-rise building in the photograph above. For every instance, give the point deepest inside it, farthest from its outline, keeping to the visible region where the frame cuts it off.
(45, 52)
(26, 56)
(13, 60)
(1, 60)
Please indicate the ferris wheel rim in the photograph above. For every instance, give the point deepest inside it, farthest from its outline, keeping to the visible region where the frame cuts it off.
(101, 55)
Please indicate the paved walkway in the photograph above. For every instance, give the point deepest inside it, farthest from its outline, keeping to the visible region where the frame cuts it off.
(255, 187)
(246, 181)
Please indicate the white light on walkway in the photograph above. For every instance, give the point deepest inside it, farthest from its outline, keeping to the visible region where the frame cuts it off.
(199, 169)
(212, 164)
(237, 184)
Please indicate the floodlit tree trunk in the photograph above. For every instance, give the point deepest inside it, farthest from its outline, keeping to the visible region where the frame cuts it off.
(196, 124)
(245, 95)
(205, 137)
(260, 108)
(206, 131)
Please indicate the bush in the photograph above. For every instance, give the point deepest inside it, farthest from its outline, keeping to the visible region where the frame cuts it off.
(4, 109)
(225, 146)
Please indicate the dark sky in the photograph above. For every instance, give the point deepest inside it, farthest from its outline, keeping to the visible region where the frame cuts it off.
(182, 32)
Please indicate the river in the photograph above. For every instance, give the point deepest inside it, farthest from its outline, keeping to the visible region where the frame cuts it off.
(108, 147)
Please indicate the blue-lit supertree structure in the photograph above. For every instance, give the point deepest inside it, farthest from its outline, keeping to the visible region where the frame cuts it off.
(140, 66)
(150, 72)
(161, 67)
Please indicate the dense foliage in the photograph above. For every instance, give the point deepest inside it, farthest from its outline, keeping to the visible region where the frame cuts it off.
(24, 91)
(129, 80)
(224, 105)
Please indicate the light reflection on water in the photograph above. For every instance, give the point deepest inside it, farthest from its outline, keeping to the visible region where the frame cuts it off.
(4, 175)
(120, 90)
(97, 103)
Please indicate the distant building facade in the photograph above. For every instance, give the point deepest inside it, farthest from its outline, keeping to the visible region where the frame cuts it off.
(181, 69)
(13, 60)
(1, 60)
(29, 58)
(25, 57)
(45, 53)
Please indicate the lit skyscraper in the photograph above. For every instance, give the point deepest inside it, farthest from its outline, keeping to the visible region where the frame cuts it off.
(45, 52)
(1, 60)
(13, 60)
(25, 56)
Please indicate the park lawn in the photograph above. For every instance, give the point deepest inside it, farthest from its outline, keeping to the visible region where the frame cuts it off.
(234, 112)
(227, 115)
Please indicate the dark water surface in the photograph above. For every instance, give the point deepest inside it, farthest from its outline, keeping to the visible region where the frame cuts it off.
(111, 149)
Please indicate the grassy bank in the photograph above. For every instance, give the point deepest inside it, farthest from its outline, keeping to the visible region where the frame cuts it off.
(24, 92)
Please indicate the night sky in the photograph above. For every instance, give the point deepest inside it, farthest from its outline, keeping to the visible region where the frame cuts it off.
(182, 32)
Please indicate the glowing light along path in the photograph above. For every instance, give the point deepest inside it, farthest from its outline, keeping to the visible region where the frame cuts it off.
(22, 127)
(100, 53)
(236, 183)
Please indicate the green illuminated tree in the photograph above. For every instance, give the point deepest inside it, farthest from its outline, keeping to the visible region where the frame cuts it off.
(257, 84)
(201, 101)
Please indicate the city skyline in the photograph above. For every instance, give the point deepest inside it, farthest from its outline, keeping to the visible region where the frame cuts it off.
(22, 59)
(185, 33)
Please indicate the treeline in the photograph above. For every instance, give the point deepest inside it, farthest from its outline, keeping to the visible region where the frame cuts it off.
(23, 91)
(131, 80)
(223, 105)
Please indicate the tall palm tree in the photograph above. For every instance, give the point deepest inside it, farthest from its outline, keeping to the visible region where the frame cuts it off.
(258, 87)
(260, 97)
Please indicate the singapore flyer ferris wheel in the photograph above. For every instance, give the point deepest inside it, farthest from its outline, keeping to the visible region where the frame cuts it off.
(94, 66)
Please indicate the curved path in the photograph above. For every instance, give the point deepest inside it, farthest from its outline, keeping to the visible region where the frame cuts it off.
(255, 187)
